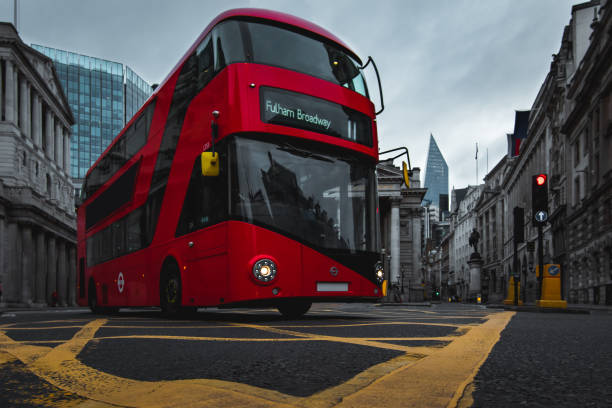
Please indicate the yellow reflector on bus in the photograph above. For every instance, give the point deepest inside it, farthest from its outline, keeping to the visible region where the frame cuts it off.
(210, 164)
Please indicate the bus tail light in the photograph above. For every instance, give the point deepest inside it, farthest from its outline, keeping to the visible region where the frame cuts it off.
(264, 270)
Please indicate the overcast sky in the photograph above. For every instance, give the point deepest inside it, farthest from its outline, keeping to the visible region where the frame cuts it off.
(456, 69)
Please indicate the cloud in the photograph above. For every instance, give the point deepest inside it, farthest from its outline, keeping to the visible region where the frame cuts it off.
(457, 69)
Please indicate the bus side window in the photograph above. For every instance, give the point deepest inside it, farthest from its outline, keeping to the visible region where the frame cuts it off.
(205, 62)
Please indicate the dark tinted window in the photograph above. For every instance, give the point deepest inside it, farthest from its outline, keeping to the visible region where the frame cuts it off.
(114, 197)
(229, 44)
(184, 92)
(130, 142)
(204, 56)
(206, 199)
(272, 45)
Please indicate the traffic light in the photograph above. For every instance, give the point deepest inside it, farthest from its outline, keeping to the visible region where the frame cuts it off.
(539, 198)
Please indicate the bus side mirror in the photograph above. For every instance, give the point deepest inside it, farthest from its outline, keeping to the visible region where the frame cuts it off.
(210, 164)
(406, 174)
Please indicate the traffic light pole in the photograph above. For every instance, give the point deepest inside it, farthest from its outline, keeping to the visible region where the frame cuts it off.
(540, 259)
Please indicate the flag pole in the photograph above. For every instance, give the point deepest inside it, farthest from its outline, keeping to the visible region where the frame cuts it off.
(476, 158)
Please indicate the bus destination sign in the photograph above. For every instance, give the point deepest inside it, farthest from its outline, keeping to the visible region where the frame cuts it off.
(281, 107)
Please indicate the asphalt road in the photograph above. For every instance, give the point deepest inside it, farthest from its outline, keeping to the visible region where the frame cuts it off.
(352, 355)
(549, 360)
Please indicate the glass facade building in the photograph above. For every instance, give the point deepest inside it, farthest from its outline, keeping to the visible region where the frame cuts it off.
(436, 176)
(103, 96)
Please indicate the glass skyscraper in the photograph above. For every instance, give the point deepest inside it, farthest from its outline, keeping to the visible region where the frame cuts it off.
(436, 177)
(103, 96)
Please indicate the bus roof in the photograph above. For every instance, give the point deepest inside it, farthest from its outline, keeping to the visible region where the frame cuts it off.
(263, 14)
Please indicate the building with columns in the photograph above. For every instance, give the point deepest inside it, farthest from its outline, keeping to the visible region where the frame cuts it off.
(401, 221)
(37, 217)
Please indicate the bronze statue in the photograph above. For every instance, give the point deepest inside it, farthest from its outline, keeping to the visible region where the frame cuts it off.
(474, 238)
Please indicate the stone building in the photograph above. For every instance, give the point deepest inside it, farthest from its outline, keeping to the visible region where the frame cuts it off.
(463, 221)
(547, 150)
(588, 168)
(490, 210)
(37, 218)
(401, 221)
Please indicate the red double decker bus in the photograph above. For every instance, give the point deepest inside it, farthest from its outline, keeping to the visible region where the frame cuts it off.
(246, 179)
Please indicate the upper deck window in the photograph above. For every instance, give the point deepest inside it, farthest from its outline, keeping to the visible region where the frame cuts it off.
(242, 41)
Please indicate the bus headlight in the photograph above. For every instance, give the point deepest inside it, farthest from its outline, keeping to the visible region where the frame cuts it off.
(379, 272)
(264, 270)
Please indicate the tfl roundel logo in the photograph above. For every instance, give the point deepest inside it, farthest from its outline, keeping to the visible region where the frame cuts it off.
(333, 271)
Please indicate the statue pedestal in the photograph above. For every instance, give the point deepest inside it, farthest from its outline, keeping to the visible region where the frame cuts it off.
(475, 290)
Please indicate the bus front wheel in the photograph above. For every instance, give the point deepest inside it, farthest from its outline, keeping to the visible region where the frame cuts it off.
(170, 290)
(294, 308)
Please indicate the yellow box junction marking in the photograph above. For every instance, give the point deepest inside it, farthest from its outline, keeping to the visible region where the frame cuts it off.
(422, 376)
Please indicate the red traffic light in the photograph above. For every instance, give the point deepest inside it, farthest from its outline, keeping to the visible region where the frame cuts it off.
(541, 179)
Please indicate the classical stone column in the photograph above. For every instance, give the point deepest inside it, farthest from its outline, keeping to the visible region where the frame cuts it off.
(12, 287)
(66, 135)
(395, 242)
(51, 267)
(49, 135)
(2, 72)
(37, 122)
(62, 278)
(23, 106)
(72, 278)
(41, 267)
(27, 264)
(9, 93)
(59, 143)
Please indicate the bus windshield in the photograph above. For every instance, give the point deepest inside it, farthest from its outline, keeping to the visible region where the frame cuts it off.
(318, 196)
(276, 46)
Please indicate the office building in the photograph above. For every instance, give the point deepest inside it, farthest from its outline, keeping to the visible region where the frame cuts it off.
(103, 96)
(436, 177)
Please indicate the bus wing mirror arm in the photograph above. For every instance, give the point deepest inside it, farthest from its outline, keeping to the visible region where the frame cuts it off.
(382, 102)
(406, 169)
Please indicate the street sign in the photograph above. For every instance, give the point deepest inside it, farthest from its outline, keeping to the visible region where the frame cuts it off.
(553, 270)
(541, 216)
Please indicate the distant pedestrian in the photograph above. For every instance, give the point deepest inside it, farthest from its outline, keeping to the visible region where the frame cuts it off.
(54, 299)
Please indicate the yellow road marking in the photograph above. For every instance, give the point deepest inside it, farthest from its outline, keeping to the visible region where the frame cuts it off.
(417, 370)
(439, 379)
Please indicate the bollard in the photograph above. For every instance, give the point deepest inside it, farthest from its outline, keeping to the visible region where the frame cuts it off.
(510, 299)
(551, 287)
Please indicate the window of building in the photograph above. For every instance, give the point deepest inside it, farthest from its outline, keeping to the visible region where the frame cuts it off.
(576, 152)
(577, 190)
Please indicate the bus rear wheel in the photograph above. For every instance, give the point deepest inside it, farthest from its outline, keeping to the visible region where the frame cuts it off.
(294, 308)
(170, 290)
